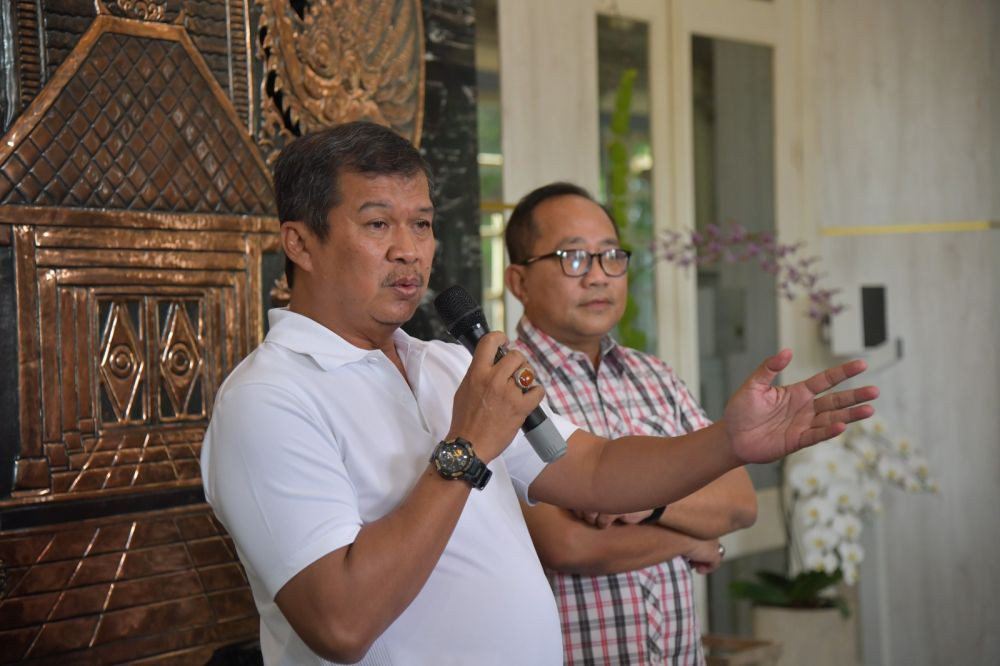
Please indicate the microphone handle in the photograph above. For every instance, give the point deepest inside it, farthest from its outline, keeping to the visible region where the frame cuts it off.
(541, 433)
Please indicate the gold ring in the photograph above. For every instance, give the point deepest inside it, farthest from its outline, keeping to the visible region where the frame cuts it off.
(525, 378)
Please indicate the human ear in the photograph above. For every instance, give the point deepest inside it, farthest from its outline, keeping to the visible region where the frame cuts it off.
(514, 278)
(295, 243)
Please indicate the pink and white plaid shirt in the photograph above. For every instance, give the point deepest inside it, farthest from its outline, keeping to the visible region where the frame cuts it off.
(645, 616)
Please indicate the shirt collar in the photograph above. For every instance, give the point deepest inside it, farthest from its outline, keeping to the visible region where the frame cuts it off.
(306, 336)
(556, 352)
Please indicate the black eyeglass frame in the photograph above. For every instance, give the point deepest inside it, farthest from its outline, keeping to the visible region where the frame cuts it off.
(564, 254)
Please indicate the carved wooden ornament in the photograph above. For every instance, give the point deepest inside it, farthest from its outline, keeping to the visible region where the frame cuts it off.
(341, 60)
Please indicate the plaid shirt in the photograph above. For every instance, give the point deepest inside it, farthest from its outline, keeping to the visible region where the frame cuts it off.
(645, 616)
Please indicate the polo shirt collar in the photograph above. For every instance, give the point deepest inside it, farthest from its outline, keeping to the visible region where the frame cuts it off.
(303, 335)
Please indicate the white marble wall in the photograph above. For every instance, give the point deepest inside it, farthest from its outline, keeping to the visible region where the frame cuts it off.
(908, 104)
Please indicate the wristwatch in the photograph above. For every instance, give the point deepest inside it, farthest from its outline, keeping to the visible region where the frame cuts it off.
(455, 459)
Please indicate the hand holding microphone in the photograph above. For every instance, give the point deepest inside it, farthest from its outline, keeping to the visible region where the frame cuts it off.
(467, 323)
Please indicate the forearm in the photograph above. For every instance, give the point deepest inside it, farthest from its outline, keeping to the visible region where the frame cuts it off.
(722, 506)
(570, 546)
(634, 473)
(321, 601)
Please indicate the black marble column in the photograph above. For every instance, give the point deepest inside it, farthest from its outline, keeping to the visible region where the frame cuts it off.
(449, 143)
(9, 400)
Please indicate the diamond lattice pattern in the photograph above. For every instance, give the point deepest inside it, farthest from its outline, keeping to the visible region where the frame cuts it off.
(137, 127)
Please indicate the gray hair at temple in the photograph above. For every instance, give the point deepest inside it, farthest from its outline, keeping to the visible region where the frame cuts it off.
(306, 174)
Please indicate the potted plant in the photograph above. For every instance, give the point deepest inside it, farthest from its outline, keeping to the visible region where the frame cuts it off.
(829, 495)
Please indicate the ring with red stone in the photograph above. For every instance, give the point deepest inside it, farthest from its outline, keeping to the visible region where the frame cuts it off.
(524, 378)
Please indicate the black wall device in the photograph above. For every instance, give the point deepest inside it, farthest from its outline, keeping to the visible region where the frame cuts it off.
(873, 316)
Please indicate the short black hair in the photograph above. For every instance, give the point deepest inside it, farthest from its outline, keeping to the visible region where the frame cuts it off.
(306, 174)
(521, 231)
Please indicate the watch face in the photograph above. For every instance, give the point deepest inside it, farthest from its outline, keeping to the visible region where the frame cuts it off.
(453, 458)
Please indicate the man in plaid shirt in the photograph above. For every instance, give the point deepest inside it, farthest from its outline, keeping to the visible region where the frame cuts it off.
(623, 583)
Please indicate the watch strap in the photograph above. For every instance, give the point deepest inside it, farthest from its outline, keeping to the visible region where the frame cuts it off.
(477, 474)
(653, 517)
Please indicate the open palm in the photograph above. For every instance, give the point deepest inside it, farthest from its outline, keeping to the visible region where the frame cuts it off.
(766, 422)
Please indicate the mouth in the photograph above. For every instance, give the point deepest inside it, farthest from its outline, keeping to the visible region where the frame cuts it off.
(597, 303)
(404, 285)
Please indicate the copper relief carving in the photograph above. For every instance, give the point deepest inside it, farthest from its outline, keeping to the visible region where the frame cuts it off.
(341, 60)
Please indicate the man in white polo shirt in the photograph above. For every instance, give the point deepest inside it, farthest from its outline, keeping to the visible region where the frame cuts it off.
(370, 480)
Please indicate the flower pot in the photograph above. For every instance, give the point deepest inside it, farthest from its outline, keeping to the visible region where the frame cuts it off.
(813, 636)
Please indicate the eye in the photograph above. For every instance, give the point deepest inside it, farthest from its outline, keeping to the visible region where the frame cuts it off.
(377, 224)
(423, 224)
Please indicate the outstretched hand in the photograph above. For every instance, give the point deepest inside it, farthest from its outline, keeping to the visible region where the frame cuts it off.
(766, 422)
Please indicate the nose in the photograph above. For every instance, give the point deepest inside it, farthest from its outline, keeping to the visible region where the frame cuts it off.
(403, 246)
(596, 274)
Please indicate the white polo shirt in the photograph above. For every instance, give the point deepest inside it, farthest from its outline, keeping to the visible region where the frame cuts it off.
(311, 438)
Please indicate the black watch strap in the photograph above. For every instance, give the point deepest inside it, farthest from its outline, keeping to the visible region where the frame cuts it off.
(653, 517)
(476, 473)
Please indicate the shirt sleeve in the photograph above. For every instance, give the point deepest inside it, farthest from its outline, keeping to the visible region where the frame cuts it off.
(277, 481)
(523, 463)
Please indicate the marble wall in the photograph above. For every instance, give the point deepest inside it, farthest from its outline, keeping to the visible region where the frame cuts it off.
(449, 144)
(907, 94)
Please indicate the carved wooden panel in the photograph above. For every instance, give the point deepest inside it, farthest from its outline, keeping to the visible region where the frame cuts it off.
(134, 209)
(28, 19)
(219, 29)
(134, 120)
(139, 338)
(130, 349)
(121, 589)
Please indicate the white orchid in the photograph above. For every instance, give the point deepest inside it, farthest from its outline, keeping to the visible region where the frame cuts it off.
(817, 510)
(891, 471)
(871, 491)
(840, 485)
(818, 560)
(839, 461)
(851, 553)
(865, 450)
(808, 479)
(847, 525)
(918, 465)
(820, 538)
(846, 496)
(812, 560)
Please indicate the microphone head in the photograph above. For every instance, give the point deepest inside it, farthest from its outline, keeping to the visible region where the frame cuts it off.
(459, 311)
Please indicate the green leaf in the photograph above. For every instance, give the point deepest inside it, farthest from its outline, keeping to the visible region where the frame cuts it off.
(757, 593)
(808, 586)
(623, 103)
(841, 604)
(808, 589)
(778, 580)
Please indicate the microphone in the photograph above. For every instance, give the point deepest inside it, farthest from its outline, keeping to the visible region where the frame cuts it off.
(467, 323)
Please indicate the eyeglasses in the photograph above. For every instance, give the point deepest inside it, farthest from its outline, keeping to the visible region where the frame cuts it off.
(577, 263)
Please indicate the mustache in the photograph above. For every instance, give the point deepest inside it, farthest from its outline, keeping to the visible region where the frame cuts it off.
(392, 278)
